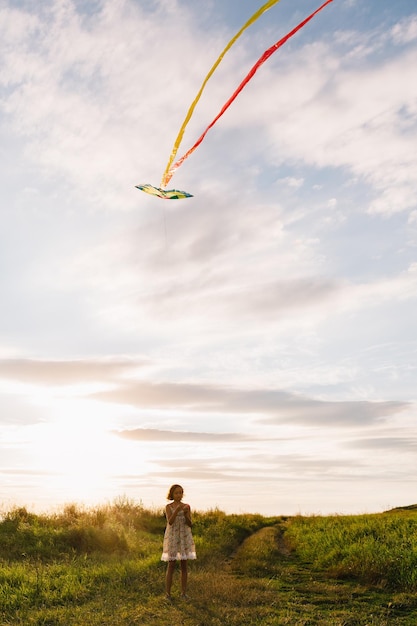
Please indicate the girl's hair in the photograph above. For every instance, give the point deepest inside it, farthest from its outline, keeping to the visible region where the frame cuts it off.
(170, 495)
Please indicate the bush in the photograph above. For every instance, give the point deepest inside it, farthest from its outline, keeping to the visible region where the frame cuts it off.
(122, 527)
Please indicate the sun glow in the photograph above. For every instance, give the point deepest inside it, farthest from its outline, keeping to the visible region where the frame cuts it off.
(81, 454)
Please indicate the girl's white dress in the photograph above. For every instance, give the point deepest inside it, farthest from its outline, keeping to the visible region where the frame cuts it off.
(178, 540)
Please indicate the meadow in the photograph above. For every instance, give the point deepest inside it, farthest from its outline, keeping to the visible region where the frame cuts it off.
(101, 566)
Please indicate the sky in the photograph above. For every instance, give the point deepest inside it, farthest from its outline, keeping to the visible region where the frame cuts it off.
(255, 343)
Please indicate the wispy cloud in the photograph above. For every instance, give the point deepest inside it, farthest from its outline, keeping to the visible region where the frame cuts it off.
(277, 407)
(332, 101)
(405, 31)
(72, 66)
(327, 104)
(154, 434)
(268, 406)
(393, 444)
(66, 372)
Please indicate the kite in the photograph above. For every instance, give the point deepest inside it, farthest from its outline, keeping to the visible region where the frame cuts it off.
(171, 166)
(167, 194)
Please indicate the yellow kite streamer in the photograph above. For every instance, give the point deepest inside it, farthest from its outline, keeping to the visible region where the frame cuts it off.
(244, 82)
(166, 176)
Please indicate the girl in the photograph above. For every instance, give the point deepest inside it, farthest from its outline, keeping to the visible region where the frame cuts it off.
(178, 540)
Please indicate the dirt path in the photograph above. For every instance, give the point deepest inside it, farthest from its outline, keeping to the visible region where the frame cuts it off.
(264, 583)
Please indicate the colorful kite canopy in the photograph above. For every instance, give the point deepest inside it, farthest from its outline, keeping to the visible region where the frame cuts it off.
(167, 194)
(171, 166)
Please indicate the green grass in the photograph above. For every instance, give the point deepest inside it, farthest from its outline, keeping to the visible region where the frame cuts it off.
(378, 549)
(101, 566)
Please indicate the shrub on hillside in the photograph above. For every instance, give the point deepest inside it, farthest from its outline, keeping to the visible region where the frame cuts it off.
(78, 531)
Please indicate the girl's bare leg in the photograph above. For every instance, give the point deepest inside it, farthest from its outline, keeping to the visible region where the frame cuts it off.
(184, 577)
(169, 576)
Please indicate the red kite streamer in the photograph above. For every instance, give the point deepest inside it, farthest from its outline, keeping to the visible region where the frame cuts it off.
(170, 171)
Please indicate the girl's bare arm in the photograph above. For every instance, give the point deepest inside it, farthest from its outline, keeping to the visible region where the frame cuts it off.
(187, 515)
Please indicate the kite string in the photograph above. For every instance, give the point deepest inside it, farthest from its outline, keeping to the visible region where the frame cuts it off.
(168, 175)
(251, 20)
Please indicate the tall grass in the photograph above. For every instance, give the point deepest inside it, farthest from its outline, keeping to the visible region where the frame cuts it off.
(75, 557)
(122, 527)
(102, 566)
(376, 549)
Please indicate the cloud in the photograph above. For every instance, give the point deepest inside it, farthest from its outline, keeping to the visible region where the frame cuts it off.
(101, 107)
(273, 299)
(216, 258)
(276, 469)
(359, 413)
(153, 434)
(405, 31)
(291, 181)
(341, 104)
(16, 410)
(393, 444)
(66, 372)
(260, 301)
(22, 472)
(270, 406)
(216, 293)
(318, 107)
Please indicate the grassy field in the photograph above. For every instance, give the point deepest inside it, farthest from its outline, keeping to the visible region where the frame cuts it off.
(101, 566)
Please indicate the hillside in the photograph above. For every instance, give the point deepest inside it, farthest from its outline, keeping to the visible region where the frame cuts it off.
(410, 507)
(102, 567)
